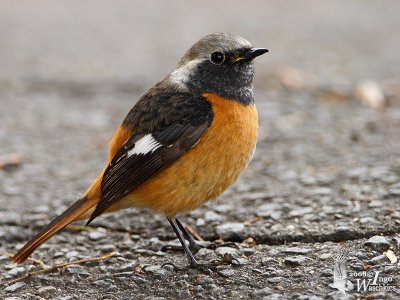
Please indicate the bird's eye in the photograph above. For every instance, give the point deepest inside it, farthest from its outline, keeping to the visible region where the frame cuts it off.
(217, 58)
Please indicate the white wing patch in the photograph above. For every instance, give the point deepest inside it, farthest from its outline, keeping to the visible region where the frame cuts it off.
(181, 74)
(145, 145)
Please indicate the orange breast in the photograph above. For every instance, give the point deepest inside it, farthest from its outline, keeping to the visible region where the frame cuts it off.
(207, 169)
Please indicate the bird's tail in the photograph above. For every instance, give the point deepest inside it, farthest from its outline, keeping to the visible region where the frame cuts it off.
(78, 210)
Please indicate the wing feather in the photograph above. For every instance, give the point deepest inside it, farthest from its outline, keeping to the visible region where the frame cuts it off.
(143, 156)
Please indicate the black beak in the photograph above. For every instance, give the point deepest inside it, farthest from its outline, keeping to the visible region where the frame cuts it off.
(251, 54)
(254, 52)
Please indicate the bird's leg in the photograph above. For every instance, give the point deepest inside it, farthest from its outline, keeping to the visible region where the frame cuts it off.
(192, 261)
(193, 245)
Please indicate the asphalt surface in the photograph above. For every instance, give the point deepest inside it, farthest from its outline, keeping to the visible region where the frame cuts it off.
(325, 176)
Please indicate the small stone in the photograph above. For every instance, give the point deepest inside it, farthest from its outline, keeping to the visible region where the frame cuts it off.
(12, 298)
(327, 273)
(226, 272)
(204, 252)
(231, 231)
(296, 260)
(106, 248)
(276, 279)
(248, 251)
(71, 254)
(16, 271)
(378, 242)
(376, 203)
(271, 210)
(394, 192)
(222, 251)
(257, 294)
(377, 260)
(46, 290)
(368, 220)
(370, 93)
(200, 222)
(391, 256)
(300, 212)
(97, 235)
(156, 270)
(211, 216)
(296, 250)
(325, 256)
(58, 254)
(239, 261)
(12, 288)
(321, 191)
(267, 261)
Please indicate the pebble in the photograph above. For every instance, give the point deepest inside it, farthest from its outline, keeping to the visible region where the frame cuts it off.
(327, 273)
(12, 288)
(378, 242)
(394, 192)
(226, 272)
(257, 294)
(296, 260)
(211, 216)
(248, 251)
(231, 231)
(156, 270)
(204, 252)
(378, 260)
(106, 248)
(276, 279)
(325, 256)
(370, 94)
(12, 298)
(16, 271)
(321, 191)
(296, 250)
(368, 220)
(300, 212)
(97, 235)
(46, 290)
(222, 251)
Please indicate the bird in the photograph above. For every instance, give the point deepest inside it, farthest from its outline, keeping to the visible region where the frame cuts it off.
(184, 142)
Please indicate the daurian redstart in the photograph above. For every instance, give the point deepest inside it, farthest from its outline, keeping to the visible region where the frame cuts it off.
(184, 142)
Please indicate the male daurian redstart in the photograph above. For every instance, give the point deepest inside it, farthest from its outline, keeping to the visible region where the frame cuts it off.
(184, 142)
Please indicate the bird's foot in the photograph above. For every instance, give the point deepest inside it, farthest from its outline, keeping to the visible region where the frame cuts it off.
(194, 265)
(197, 246)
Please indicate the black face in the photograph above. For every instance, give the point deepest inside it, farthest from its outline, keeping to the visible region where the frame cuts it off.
(227, 74)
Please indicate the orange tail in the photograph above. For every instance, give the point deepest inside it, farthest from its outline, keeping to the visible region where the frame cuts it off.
(74, 212)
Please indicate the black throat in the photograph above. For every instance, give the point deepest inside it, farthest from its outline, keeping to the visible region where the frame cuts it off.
(233, 82)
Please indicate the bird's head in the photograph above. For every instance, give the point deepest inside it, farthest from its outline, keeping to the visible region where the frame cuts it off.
(219, 63)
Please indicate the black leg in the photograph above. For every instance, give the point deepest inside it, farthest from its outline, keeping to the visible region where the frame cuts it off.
(193, 262)
(193, 245)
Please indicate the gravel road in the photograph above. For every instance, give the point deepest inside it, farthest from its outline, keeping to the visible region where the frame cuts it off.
(325, 178)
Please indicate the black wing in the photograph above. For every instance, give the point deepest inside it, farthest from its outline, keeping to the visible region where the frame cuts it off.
(141, 157)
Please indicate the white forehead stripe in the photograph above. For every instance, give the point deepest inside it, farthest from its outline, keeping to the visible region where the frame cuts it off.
(181, 74)
(145, 145)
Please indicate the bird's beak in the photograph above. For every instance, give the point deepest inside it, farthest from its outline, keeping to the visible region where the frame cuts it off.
(251, 54)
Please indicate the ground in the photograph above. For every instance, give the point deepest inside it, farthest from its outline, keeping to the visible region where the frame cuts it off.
(325, 177)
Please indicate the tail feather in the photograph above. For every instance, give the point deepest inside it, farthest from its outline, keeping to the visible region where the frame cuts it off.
(74, 212)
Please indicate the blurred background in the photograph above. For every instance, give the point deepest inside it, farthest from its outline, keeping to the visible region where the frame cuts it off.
(327, 165)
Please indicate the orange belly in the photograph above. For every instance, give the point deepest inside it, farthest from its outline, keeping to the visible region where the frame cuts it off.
(206, 170)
